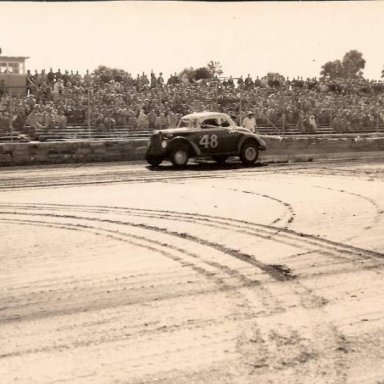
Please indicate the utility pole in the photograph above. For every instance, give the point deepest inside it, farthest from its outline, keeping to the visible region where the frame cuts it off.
(216, 95)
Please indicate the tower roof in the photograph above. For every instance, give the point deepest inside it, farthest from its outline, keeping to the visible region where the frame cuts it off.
(14, 58)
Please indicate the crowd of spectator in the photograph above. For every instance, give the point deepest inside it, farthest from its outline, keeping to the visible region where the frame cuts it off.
(107, 99)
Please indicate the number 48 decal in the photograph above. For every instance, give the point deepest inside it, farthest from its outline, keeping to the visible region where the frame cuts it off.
(209, 141)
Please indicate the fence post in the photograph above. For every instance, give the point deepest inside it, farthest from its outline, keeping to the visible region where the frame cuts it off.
(377, 123)
(10, 114)
(240, 120)
(89, 113)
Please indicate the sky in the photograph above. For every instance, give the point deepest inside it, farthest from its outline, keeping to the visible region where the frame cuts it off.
(291, 38)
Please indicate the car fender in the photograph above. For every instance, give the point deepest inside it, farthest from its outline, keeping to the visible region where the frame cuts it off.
(180, 139)
(256, 139)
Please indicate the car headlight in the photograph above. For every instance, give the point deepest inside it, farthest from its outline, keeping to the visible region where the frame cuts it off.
(164, 144)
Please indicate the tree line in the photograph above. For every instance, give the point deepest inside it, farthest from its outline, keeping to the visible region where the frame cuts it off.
(349, 67)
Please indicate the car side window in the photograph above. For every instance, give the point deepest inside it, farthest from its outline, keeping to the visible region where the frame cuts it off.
(225, 123)
(210, 123)
(193, 124)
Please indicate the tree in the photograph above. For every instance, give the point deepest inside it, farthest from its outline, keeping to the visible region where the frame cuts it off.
(353, 64)
(349, 68)
(275, 79)
(214, 68)
(187, 73)
(202, 73)
(106, 74)
(332, 69)
(193, 74)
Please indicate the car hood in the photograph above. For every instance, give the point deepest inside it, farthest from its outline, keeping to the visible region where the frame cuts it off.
(172, 131)
(242, 129)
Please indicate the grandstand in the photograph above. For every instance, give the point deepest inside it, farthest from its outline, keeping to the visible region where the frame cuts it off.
(114, 105)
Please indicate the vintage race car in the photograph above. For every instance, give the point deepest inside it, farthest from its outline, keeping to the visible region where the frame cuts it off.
(204, 134)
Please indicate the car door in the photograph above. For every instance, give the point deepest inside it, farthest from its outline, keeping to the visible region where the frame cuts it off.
(210, 136)
(229, 137)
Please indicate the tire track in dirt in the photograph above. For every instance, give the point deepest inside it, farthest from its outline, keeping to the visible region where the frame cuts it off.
(378, 211)
(142, 175)
(152, 245)
(163, 174)
(109, 178)
(276, 271)
(270, 303)
(287, 206)
(223, 286)
(342, 171)
(237, 296)
(340, 253)
(289, 209)
(281, 235)
(308, 299)
(306, 354)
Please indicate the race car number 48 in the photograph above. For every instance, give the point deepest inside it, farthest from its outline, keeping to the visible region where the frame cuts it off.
(209, 141)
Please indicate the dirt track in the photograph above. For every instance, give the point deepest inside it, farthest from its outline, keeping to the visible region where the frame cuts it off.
(116, 273)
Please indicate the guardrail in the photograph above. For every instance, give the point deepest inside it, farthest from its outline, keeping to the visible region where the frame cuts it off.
(80, 132)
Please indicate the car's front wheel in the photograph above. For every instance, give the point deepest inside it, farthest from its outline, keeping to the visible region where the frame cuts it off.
(249, 152)
(180, 155)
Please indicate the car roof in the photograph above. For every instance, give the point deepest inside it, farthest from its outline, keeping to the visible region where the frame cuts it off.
(204, 115)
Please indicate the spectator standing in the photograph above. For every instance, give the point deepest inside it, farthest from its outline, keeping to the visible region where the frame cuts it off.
(50, 77)
(250, 122)
(29, 81)
(152, 119)
(171, 120)
(142, 121)
(65, 77)
(161, 121)
(49, 119)
(34, 120)
(58, 75)
(248, 82)
(109, 122)
(57, 89)
(61, 120)
(160, 80)
(87, 79)
(153, 80)
(312, 126)
(336, 124)
(300, 122)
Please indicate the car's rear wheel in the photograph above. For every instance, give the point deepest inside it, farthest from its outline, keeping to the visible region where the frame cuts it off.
(180, 155)
(220, 159)
(249, 152)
